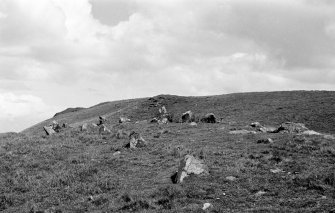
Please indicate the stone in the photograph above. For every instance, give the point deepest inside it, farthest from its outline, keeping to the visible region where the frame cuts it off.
(123, 120)
(265, 141)
(84, 127)
(49, 130)
(136, 140)
(55, 126)
(242, 132)
(290, 127)
(116, 153)
(207, 206)
(187, 117)
(190, 165)
(65, 125)
(260, 193)
(102, 120)
(275, 171)
(256, 125)
(310, 132)
(103, 129)
(267, 129)
(209, 118)
(231, 178)
(162, 110)
(154, 120)
(193, 124)
(163, 121)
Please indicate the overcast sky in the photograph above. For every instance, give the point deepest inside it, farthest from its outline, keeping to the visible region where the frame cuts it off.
(56, 54)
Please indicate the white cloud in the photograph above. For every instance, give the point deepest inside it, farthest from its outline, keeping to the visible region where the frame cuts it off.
(81, 52)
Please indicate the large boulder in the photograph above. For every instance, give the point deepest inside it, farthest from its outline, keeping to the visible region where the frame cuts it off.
(190, 165)
(290, 127)
(49, 130)
(136, 140)
(187, 117)
(209, 118)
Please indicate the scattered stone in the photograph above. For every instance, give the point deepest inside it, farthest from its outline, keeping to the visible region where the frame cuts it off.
(123, 120)
(256, 125)
(162, 110)
(207, 206)
(260, 193)
(163, 121)
(290, 127)
(49, 130)
(265, 141)
(209, 118)
(310, 132)
(231, 178)
(116, 153)
(55, 126)
(187, 117)
(267, 129)
(103, 129)
(190, 165)
(84, 127)
(275, 171)
(102, 120)
(136, 140)
(241, 131)
(193, 124)
(154, 120)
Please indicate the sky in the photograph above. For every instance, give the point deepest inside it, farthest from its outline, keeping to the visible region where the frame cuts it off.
(56, 54)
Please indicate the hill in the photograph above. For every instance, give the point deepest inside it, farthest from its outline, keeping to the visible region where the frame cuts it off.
(88, 171)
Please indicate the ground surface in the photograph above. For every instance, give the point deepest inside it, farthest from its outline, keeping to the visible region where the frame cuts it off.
(76, 171)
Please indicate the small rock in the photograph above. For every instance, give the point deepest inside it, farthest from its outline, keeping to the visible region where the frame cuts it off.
(102, 120)
(123, 120)
(103, 129)
(116, 153)
(256, 124)
(275, 171)
(187, 117)
(136, 140)
(83, 127)
(231, 178)
(209, 118)
(260, 193)
(242, 132)
(265, 141)
(193, 124)
(207, 206)
(190, 165)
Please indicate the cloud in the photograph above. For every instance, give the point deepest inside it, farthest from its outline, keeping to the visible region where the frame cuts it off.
(19, 111)
(81, 52)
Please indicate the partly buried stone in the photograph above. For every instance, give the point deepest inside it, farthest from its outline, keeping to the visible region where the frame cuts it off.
(123, 120)
(310, 132)
(267, 129)
(154, 120)
(187, 117)
(84, 127)
(103, 129)
(242, 132)
(265, 141)
(102, 120)
(193, 124)
(55, 126)
(231, 178)
(190, 165)
(256, 125)
(209, 118)
(136, 140)
(49, 130)
(290, 127)
(163, 121)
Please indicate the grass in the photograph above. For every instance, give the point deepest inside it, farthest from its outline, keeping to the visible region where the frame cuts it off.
(75, 171)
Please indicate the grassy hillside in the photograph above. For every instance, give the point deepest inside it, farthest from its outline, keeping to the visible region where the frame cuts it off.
(76, 171)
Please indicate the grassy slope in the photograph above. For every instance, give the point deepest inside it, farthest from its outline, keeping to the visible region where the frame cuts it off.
(76, 171)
